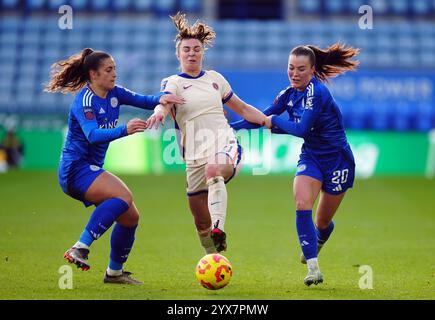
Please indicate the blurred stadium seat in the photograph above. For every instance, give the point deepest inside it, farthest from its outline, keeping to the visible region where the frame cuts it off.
(141, 39)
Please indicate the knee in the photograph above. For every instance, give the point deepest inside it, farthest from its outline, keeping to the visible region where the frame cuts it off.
(126, 196)
(130, 218)
(133, 218)
(212, 170)
(303, 204)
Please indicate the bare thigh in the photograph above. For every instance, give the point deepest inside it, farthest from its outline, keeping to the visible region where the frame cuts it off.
(305, 192)
(107, 186)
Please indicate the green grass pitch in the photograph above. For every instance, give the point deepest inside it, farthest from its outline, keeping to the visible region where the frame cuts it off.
(385, 223)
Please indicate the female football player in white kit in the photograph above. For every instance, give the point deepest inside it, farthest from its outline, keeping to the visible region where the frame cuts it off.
(207, 142)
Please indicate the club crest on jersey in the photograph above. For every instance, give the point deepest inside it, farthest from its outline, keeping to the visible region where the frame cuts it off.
(301, 168)
(114, 102)
(94, 167)
(309, 103)
(215, 85)
(89, 113)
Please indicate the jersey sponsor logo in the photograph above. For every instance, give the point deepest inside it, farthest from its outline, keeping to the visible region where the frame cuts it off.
(94, 167)
(114, 102)
(187, 86)
(109, 125)
(101, 110)
(215, 85)
(301, 168)
(89, 113)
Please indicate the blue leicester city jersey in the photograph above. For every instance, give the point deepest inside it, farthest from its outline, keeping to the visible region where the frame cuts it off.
(311, 114)
(93, 122)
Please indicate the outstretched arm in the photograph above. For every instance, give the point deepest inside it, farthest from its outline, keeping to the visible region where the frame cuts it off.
(159, 115)
(244, 124)
(298, 129)
(252, 115)
(147, 102)
(96, 135)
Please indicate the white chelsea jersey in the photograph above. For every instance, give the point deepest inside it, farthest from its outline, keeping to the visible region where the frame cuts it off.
(201, 120)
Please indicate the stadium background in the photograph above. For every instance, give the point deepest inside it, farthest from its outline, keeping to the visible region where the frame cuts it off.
(388, 105)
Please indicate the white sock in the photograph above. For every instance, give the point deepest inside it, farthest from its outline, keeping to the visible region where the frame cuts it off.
(81, 245)
(217, 201)
(113, 273)
(206, 241)
(313, 264)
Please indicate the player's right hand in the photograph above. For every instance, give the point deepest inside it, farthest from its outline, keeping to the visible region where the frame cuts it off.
(136, 125)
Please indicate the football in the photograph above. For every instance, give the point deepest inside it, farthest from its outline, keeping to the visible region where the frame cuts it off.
(213, 271)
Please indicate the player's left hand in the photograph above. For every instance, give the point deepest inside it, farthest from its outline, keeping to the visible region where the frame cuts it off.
(155, 119)
(171, 99)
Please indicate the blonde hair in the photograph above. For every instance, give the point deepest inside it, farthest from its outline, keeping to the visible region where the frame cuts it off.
(199, 30)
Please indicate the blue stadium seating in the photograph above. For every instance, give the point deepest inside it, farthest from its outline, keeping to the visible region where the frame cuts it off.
(310, 6)
(419, 8)
(190, 5)
(9, 4)
(144, 49)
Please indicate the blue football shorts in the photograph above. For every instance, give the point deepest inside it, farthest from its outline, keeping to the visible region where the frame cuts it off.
(75, 178)
(336, 170)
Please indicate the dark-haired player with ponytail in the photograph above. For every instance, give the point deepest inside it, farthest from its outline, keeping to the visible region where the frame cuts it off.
(326, 165)
(93, 124)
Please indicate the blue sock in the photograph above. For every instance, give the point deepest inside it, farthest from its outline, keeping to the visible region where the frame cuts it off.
(102, 219)
(323, 235)
(307, 233)
(121, 243)
(86, 238)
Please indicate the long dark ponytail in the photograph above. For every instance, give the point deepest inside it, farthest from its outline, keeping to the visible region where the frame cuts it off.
(329, 63)
(72, 74)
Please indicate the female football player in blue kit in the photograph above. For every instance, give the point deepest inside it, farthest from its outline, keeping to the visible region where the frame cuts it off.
(326, 165)
(93, 124)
